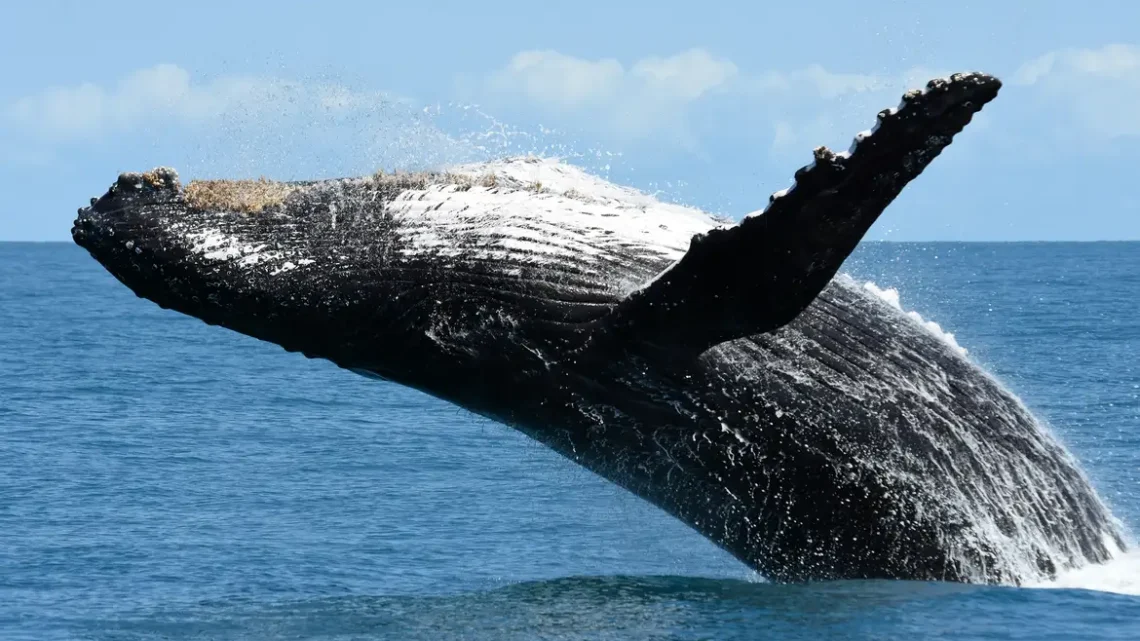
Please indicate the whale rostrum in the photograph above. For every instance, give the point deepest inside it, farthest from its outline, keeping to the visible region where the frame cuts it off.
(729, 374)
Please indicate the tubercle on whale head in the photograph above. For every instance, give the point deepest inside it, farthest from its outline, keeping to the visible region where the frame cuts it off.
(160, 182)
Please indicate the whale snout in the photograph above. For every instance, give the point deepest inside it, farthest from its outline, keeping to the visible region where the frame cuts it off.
(125, 228)
(122, 211)
(264, 258)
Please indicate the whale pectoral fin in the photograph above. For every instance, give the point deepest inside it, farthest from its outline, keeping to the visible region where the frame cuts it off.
(759, 275)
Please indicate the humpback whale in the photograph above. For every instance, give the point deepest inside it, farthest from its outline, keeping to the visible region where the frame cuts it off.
(729, 374)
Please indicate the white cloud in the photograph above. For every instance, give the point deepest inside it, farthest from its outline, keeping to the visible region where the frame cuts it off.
(655, 97)
(652, 98)
(566, 81)
(1100, 88)
(1116, 61)
(679, 99)
(159, 93)
(650, 95)
(685, 76)
(559, 80)
(816, 81)
(235, 124)
(813, 106)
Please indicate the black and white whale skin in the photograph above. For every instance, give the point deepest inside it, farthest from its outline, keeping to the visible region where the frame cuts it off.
(724, 373)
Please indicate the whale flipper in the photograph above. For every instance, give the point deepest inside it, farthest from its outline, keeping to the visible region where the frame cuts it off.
(759, 275)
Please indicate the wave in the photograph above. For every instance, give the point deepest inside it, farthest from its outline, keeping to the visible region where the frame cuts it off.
(624, 607)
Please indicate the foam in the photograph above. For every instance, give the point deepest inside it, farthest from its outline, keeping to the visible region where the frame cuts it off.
(1121, 575)
(891, 297)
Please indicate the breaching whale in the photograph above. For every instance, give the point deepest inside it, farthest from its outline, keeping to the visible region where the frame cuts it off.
(728, 374)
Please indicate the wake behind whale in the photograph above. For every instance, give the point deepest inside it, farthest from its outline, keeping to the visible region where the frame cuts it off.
(731, 376)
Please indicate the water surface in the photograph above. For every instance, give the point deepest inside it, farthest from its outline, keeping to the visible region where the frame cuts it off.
(160, 478)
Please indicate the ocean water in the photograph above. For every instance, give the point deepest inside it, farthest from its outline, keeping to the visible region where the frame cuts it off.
(161, 479)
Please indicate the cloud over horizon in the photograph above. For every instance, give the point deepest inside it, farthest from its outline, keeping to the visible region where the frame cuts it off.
(653, 99)
(650, 99)
(649, 96)
(161, 92)
(1100, 88)
(232, 123)
(659, 98)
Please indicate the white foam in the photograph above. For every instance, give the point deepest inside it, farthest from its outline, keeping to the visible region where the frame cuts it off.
(1121, 575)
(891, 297)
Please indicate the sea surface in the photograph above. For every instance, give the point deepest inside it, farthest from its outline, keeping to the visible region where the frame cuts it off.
(162, 479)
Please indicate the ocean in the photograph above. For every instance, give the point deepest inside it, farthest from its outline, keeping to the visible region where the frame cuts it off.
(162, 479)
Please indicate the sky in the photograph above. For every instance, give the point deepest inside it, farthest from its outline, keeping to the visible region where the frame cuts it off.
(713, 104)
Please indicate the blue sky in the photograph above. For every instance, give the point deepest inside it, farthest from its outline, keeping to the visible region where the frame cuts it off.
(711, 103)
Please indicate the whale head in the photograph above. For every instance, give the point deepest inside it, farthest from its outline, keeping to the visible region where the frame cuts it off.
(314, 268)
(409, 277)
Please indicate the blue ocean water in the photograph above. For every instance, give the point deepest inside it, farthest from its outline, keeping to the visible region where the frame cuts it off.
(161, 479)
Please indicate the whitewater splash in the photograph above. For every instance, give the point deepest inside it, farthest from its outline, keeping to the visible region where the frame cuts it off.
(891, 296)
(1121, 575)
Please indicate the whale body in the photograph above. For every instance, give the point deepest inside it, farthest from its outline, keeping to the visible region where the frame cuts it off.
(728, 374)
